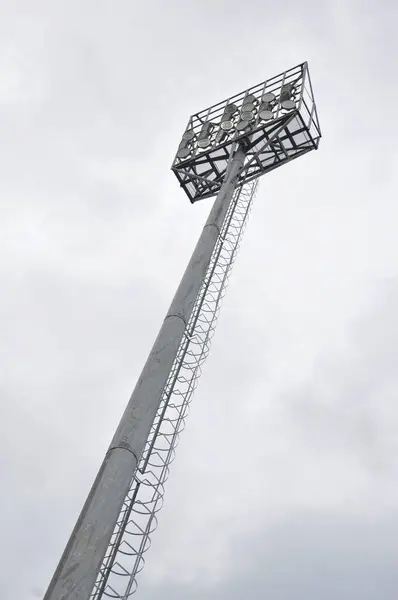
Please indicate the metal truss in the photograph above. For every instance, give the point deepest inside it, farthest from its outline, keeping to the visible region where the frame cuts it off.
(276, 120)
(131, 538)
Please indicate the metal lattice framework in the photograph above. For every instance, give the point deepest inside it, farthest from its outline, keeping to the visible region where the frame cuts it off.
(124, 558)
(276, 120)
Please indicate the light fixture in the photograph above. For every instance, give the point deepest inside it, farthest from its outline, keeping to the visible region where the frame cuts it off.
(287, 95)
(204, 138)
(249, 103)
(267, 103)
(184, 149)
(226, 120)
(242, 125)
(247, 115)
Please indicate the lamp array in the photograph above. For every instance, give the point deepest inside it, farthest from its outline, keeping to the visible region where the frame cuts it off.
(237, 121)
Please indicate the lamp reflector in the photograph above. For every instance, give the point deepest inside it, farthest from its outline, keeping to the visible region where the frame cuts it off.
(184, 149)
(250, 106)
(266, 113)
(250, 99)
(288, 104)
(268, 97)
(247, 115)
(188, 135)
(226, 119)
(287, 95)
(242, 125)
(183, 152)
(204, 139)
(227, 125)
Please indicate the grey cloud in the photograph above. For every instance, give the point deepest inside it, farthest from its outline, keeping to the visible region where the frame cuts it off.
(350, 405)
(94, 234)
(306, 556)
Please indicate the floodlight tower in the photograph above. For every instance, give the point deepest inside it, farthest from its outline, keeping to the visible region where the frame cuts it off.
(223, 152)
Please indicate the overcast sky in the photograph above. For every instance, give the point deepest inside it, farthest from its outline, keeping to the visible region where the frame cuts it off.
(285, 485)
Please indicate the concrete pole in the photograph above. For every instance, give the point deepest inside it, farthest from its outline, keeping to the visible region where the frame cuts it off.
(80, 563)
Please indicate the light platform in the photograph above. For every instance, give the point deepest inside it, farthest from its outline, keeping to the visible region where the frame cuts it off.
(275, 121)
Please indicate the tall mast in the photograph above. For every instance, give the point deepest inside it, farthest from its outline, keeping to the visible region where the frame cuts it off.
(223, 152)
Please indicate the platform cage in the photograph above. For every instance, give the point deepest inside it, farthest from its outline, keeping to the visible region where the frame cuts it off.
(276, 121)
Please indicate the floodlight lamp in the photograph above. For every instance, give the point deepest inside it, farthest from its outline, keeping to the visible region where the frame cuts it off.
(268, 97)
(266, 106)
(247, 115)
(188, 135)
(243, 124)
(184, 149)
(287, 95)
(250, 99)
(250, 106)
(248, 109)
(288, 104)
(227, 125)
(204, 138)
(230, 109)
(221, 135)
(226, 119)
(266, 112)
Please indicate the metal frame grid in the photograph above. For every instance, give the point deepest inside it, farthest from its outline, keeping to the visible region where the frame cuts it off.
(286, 133)
(124, 558)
